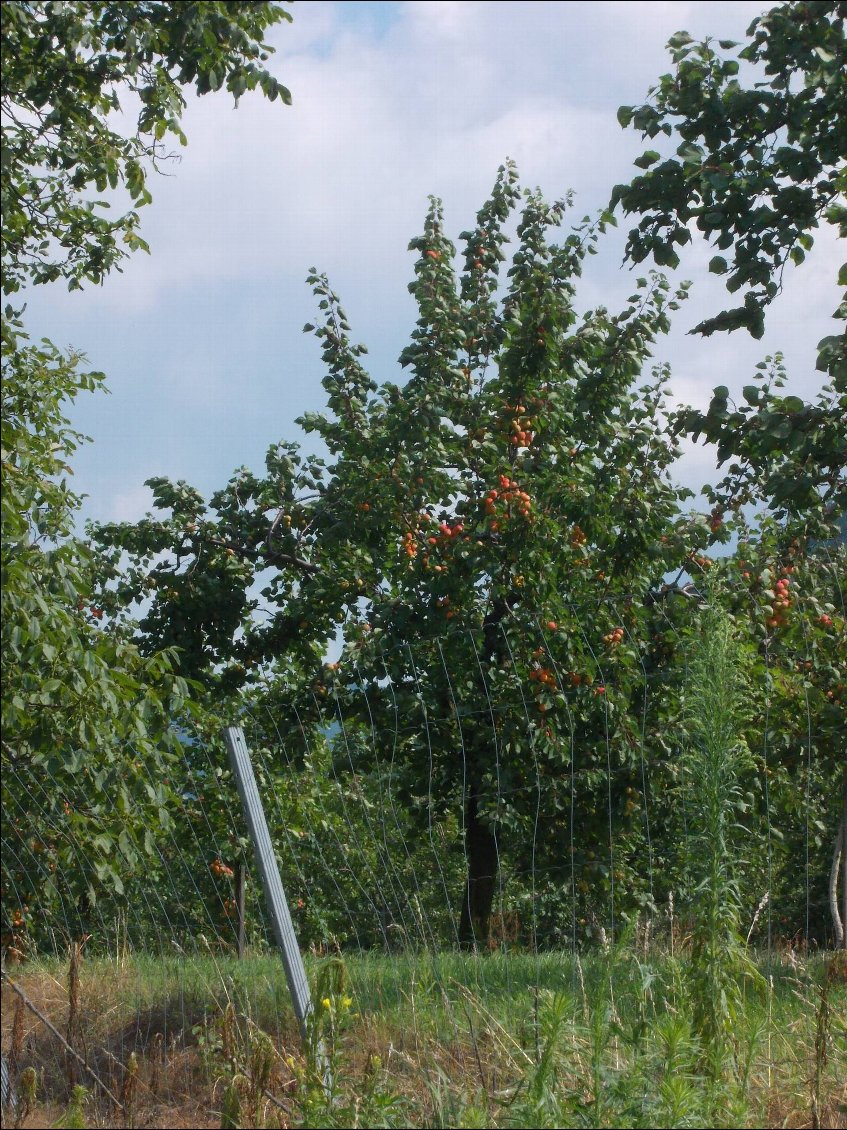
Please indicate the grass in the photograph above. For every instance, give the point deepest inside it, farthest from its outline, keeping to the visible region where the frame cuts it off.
(605, 1039)
(627, 1035)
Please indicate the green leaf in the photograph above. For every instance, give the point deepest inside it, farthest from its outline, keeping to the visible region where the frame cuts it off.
(647, 159)
(130, 52)
(793, 404)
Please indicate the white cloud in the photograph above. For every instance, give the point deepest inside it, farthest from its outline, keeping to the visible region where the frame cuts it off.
(206, 332)
(435, 106)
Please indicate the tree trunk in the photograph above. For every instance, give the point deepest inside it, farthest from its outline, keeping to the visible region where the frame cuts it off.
(480, 840)
(481, 850)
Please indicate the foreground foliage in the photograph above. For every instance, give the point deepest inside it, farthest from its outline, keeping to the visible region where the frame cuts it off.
(758, 168)
(443, 1040)
(87, 720)
(67, 68)
(82, 709)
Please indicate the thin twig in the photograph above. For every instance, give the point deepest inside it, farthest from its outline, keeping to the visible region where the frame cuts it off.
(52, 1028)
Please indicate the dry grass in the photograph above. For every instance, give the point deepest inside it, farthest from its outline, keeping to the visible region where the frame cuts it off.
(440, 1044)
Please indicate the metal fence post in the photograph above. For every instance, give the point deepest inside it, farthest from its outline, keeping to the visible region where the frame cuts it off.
(241, 906)
(8, 1098)
(257, 825)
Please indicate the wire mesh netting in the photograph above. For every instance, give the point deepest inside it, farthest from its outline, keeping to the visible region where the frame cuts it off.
(471, 829)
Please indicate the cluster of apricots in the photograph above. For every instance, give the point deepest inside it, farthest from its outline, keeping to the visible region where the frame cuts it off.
(446, 532)
(502, 504)
(578, 537)
(543, 675)
(577, 680)
(97, 613)
(521, 426)
(613, 638)
(443, 602)
(782, 601)
(699, 560)
(219, 868)
(443, 537)
(410, 545)
(479, 252)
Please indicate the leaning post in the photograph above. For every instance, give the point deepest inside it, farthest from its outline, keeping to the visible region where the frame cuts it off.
(277, 904)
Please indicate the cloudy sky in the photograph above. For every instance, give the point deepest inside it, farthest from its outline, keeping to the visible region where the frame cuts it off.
(202, 341)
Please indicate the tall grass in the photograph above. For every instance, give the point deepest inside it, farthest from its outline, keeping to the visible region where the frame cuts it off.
(442, 1040)
(715, 763)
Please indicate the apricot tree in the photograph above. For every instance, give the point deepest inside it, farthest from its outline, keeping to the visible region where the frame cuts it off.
(510, 504)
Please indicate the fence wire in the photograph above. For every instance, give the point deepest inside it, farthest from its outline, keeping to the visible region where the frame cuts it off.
(457, 832)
